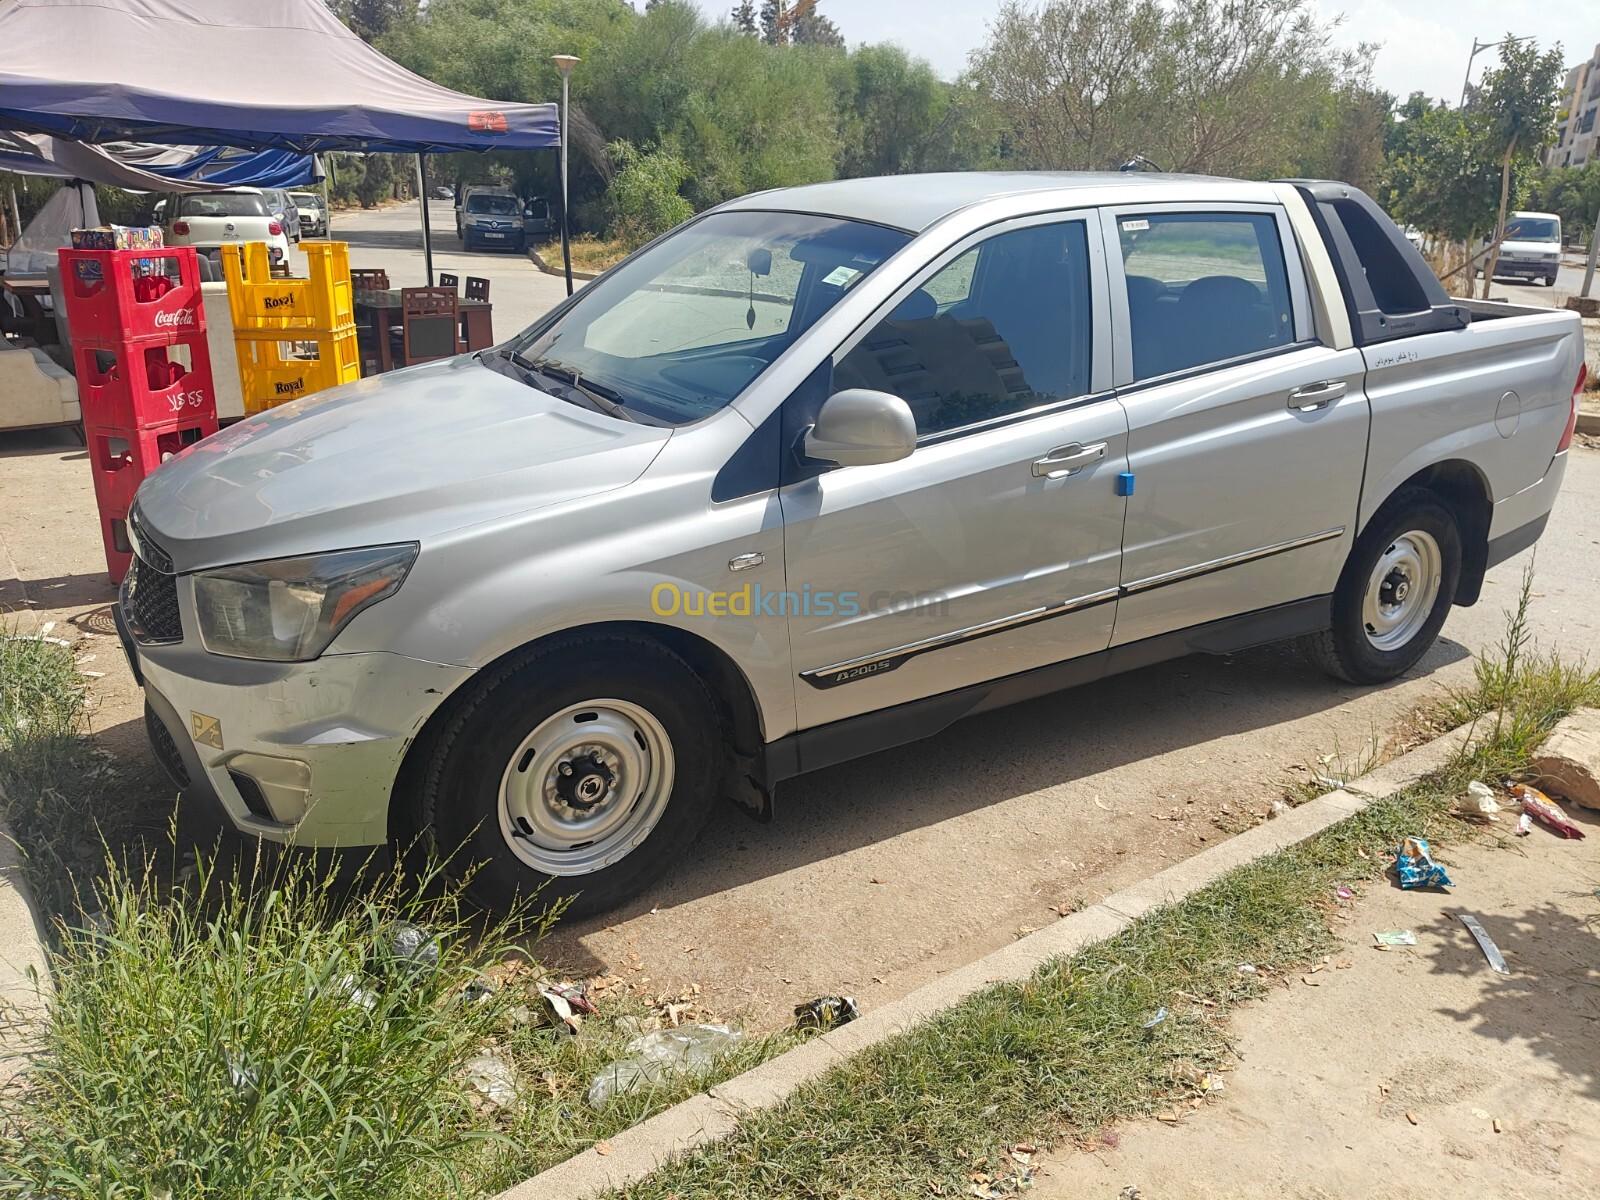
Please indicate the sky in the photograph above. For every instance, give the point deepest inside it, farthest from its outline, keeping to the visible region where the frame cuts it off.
(1424, 43)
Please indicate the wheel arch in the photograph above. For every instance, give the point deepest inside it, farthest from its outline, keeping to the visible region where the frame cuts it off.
(729, 687)
(1463, 489)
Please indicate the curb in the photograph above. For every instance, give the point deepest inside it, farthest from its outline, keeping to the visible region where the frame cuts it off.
(557, 271)
(24, 967)
(639, 1150)
(1588, 422)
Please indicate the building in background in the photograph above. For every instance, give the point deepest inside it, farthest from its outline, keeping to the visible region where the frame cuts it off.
(1577, 137)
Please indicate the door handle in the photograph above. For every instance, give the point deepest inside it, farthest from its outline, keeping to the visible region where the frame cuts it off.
(1317, 395)
(1068, 460)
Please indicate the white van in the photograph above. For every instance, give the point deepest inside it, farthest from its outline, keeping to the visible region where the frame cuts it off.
(1532, 247)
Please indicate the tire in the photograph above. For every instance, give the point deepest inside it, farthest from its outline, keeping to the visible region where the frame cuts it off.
(1549, 281)
(488, 767)
(1378, 635)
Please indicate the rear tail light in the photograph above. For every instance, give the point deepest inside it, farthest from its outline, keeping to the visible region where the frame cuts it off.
(180, 228)
(274, 228)
(1572, 417)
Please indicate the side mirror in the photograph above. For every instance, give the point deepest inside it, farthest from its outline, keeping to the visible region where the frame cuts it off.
(858, 427)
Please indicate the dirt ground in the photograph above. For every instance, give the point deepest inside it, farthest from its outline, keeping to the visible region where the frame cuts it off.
(881, 874)
(1389, 1077)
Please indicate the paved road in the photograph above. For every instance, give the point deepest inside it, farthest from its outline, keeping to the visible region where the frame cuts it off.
(391, 238)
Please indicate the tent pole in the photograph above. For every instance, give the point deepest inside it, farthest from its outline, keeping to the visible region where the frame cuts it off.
(566, 243)
(427, 233)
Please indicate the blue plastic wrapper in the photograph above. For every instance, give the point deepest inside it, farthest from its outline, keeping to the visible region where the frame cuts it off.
(1414, 864)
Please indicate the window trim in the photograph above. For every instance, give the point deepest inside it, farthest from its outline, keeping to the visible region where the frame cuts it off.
(1100, 327)
(1305, 332)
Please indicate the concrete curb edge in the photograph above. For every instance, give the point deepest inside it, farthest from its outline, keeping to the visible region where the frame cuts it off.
(24, 965)
(715, 1113)
(538, 261)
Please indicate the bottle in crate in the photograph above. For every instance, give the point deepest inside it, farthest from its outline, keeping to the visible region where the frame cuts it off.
(152, 382)
(119, 296)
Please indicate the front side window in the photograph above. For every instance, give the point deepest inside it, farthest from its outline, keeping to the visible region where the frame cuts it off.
(1203, 288)
(1002, 328)
(678, 331)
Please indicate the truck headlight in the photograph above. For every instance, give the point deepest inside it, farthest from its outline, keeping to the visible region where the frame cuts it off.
(289, 609)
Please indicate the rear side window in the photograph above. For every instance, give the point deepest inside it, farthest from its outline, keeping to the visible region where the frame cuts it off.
(1001, 329)
(1203, 288)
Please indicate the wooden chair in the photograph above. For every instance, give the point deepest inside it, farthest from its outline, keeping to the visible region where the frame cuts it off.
(477, 289)
(369, 279)
(446, 279)
(430, 324)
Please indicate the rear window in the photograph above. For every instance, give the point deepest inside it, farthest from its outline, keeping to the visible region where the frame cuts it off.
(222, 204)
(1203, 288)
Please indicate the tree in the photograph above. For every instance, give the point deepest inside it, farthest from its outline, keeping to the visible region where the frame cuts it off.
(744, 18)
(1436, 175)
(775, 22)
(643, 199)
(370, 19)
(1514, 109)
(1191, 84)
(808, 27)
(1572, 193)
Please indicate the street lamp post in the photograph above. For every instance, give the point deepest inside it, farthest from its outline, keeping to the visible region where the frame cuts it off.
(564, 64)
(1477, 49)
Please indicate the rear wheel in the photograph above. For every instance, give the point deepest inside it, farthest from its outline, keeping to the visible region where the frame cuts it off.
(1394, 593)
(584, 769)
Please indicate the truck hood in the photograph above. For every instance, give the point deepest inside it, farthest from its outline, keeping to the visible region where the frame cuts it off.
(392, 459)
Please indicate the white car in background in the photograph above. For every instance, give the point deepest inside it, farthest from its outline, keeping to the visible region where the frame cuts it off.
(1532, 247)
(313, 217)
(210, 220)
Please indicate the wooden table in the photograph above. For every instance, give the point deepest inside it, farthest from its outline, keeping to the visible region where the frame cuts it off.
(477, 321)
(31, 294)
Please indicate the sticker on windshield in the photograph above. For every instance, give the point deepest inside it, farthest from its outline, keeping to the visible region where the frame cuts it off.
(1135, 226)
(841, 276)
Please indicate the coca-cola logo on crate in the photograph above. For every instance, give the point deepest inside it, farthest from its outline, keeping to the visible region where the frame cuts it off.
(177, 319)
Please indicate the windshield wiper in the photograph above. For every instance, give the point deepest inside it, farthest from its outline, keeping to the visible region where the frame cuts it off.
(607, 400)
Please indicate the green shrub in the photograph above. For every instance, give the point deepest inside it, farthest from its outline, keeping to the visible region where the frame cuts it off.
(642, 200)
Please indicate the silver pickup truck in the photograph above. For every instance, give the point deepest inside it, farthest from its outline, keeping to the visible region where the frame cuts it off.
(823, 471)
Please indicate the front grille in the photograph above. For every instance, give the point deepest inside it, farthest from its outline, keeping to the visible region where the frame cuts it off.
(150, 603)
(161, 741)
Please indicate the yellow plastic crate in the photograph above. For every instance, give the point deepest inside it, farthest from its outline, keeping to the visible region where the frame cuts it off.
(324, 303)
(276, 369)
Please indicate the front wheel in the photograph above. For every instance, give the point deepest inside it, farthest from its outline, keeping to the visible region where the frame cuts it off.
(584, 769)
(1394, 593)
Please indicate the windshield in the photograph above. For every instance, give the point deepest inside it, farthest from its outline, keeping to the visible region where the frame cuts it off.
(222, 204)
(503, 205)
(683, 328)
(1533, 229)
(306, 199)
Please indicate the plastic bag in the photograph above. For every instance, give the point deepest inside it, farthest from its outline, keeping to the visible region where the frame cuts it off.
(660, 1054)
(1413, 862)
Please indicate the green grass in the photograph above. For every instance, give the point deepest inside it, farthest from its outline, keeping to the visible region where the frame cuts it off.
(1060, 1057)
(182, 976)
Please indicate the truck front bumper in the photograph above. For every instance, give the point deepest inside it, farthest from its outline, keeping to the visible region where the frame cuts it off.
(294, 752)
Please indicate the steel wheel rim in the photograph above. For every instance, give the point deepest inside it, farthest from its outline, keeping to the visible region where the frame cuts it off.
(1402, 590)
(585, 787)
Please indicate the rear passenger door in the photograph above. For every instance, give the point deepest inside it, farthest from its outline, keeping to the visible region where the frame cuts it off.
(1247, 436)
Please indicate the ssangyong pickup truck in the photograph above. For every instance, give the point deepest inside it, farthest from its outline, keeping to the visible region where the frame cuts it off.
(822, 471)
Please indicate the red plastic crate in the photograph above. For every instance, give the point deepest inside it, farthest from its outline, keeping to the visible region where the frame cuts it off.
(123, 458)
(120, 296)
(146, 383)
(114, 536)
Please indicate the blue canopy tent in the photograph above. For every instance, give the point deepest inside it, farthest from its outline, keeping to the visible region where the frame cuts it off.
(216, 73)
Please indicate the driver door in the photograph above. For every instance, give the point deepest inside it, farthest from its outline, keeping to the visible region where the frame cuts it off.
(996, 546)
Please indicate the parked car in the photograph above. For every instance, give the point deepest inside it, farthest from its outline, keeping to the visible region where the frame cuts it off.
(440, 192)
(821, 472)
(1532, 247)
(492, 219)
(313, 215)
(285, 209)
(210, 220)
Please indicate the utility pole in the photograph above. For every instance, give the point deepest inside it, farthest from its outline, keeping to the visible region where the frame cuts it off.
(564, 64)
